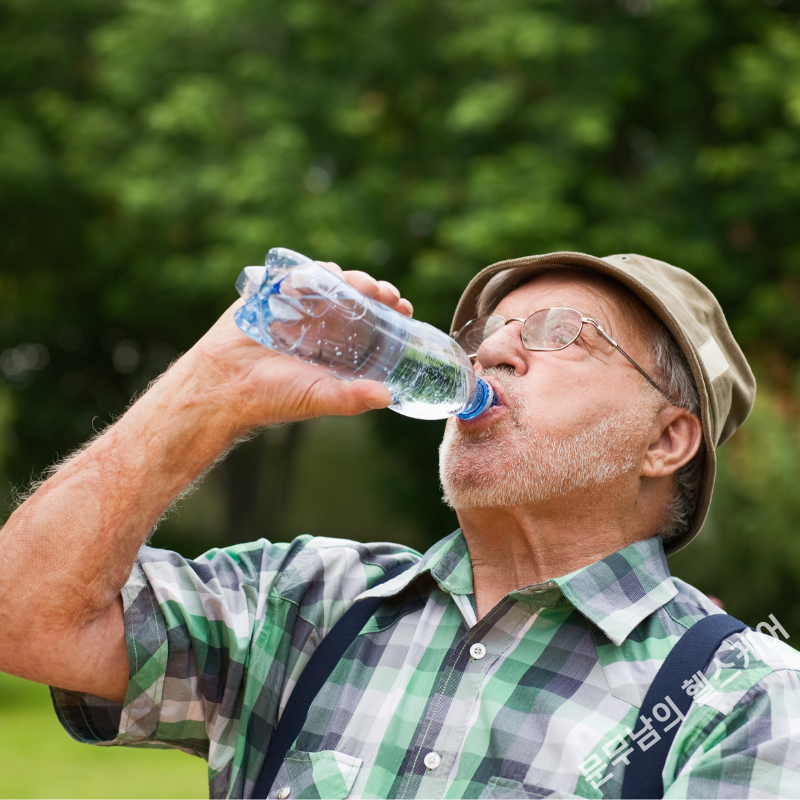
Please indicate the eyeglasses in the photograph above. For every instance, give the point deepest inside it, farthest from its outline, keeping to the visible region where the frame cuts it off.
(546, 329)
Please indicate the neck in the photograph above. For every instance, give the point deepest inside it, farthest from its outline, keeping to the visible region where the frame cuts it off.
(514, 547)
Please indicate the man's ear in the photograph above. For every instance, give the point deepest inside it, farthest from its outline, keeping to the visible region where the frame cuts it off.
(676, 440)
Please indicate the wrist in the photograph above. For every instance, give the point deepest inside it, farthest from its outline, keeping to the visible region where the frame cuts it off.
(183, 423)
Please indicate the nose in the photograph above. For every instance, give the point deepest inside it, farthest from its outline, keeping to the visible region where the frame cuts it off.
(504, 348)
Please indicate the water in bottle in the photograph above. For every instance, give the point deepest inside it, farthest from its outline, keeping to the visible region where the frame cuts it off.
(299, 308)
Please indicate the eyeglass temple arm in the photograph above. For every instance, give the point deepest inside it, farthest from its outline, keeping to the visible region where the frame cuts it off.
(645, 375)
(638, 368)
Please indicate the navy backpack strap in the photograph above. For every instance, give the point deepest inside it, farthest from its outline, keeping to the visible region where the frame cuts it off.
(692, 653)
(316, 672)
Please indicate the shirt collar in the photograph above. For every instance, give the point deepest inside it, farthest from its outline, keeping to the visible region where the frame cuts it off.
(615, 593)
(447, 561)
(619, 591)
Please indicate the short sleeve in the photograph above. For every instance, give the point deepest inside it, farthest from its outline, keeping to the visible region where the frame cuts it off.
(746, 746)
(213, 640)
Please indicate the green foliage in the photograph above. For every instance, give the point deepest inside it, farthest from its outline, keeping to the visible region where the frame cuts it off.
(151, 150)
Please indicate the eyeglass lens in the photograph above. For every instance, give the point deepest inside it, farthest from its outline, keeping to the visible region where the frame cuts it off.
(546, 329)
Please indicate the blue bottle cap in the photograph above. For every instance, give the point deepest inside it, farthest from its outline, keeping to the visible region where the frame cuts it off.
(482, 400)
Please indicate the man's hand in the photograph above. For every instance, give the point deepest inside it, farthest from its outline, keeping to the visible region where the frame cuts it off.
(259, 386)
(67, 551)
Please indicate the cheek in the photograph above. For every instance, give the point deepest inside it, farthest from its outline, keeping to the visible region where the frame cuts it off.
(558, 381)
(566, 399)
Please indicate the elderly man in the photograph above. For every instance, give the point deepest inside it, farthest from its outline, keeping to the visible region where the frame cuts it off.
(513, 658)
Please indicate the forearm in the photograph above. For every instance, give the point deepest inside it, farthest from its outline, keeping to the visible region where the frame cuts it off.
(68, 550)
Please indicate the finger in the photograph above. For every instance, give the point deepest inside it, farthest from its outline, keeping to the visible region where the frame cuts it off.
(399, 304)
(363, 282)
(382, 291)
(405, 308)
(332, 267)
(346, 398)
(388, 294)
(371, 394)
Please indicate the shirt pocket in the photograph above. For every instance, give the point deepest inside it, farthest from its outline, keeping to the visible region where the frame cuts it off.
(326, 773)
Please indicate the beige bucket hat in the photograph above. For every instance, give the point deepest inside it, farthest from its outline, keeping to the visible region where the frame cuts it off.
(693, 316)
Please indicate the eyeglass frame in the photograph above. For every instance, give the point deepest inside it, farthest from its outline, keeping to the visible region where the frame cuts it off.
(584, 320)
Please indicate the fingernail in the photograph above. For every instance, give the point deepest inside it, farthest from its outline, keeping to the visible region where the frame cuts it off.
(376, 402)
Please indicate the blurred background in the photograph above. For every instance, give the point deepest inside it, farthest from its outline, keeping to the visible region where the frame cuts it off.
(149, 150)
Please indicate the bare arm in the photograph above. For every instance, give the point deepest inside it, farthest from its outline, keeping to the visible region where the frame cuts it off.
(67, 551)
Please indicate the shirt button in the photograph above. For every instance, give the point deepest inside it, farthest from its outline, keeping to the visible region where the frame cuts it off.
(283, 793)
(477, 651)
(432, 760)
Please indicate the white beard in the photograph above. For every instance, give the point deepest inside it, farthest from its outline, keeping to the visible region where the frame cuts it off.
(513, 465)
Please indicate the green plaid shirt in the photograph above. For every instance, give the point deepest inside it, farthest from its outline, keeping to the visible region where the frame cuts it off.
(541, 697)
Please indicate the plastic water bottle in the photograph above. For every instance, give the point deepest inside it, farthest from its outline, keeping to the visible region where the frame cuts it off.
(299, 308)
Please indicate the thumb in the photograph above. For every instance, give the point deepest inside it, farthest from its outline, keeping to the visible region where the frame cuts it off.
(369, 395)
(331, 396)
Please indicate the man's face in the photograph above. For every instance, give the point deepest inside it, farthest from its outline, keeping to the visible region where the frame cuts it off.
(567, 419)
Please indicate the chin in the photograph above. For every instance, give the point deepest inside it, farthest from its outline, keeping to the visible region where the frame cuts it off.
(476, 469)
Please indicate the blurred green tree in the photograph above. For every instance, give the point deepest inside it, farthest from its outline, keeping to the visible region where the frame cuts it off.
(151, 150)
